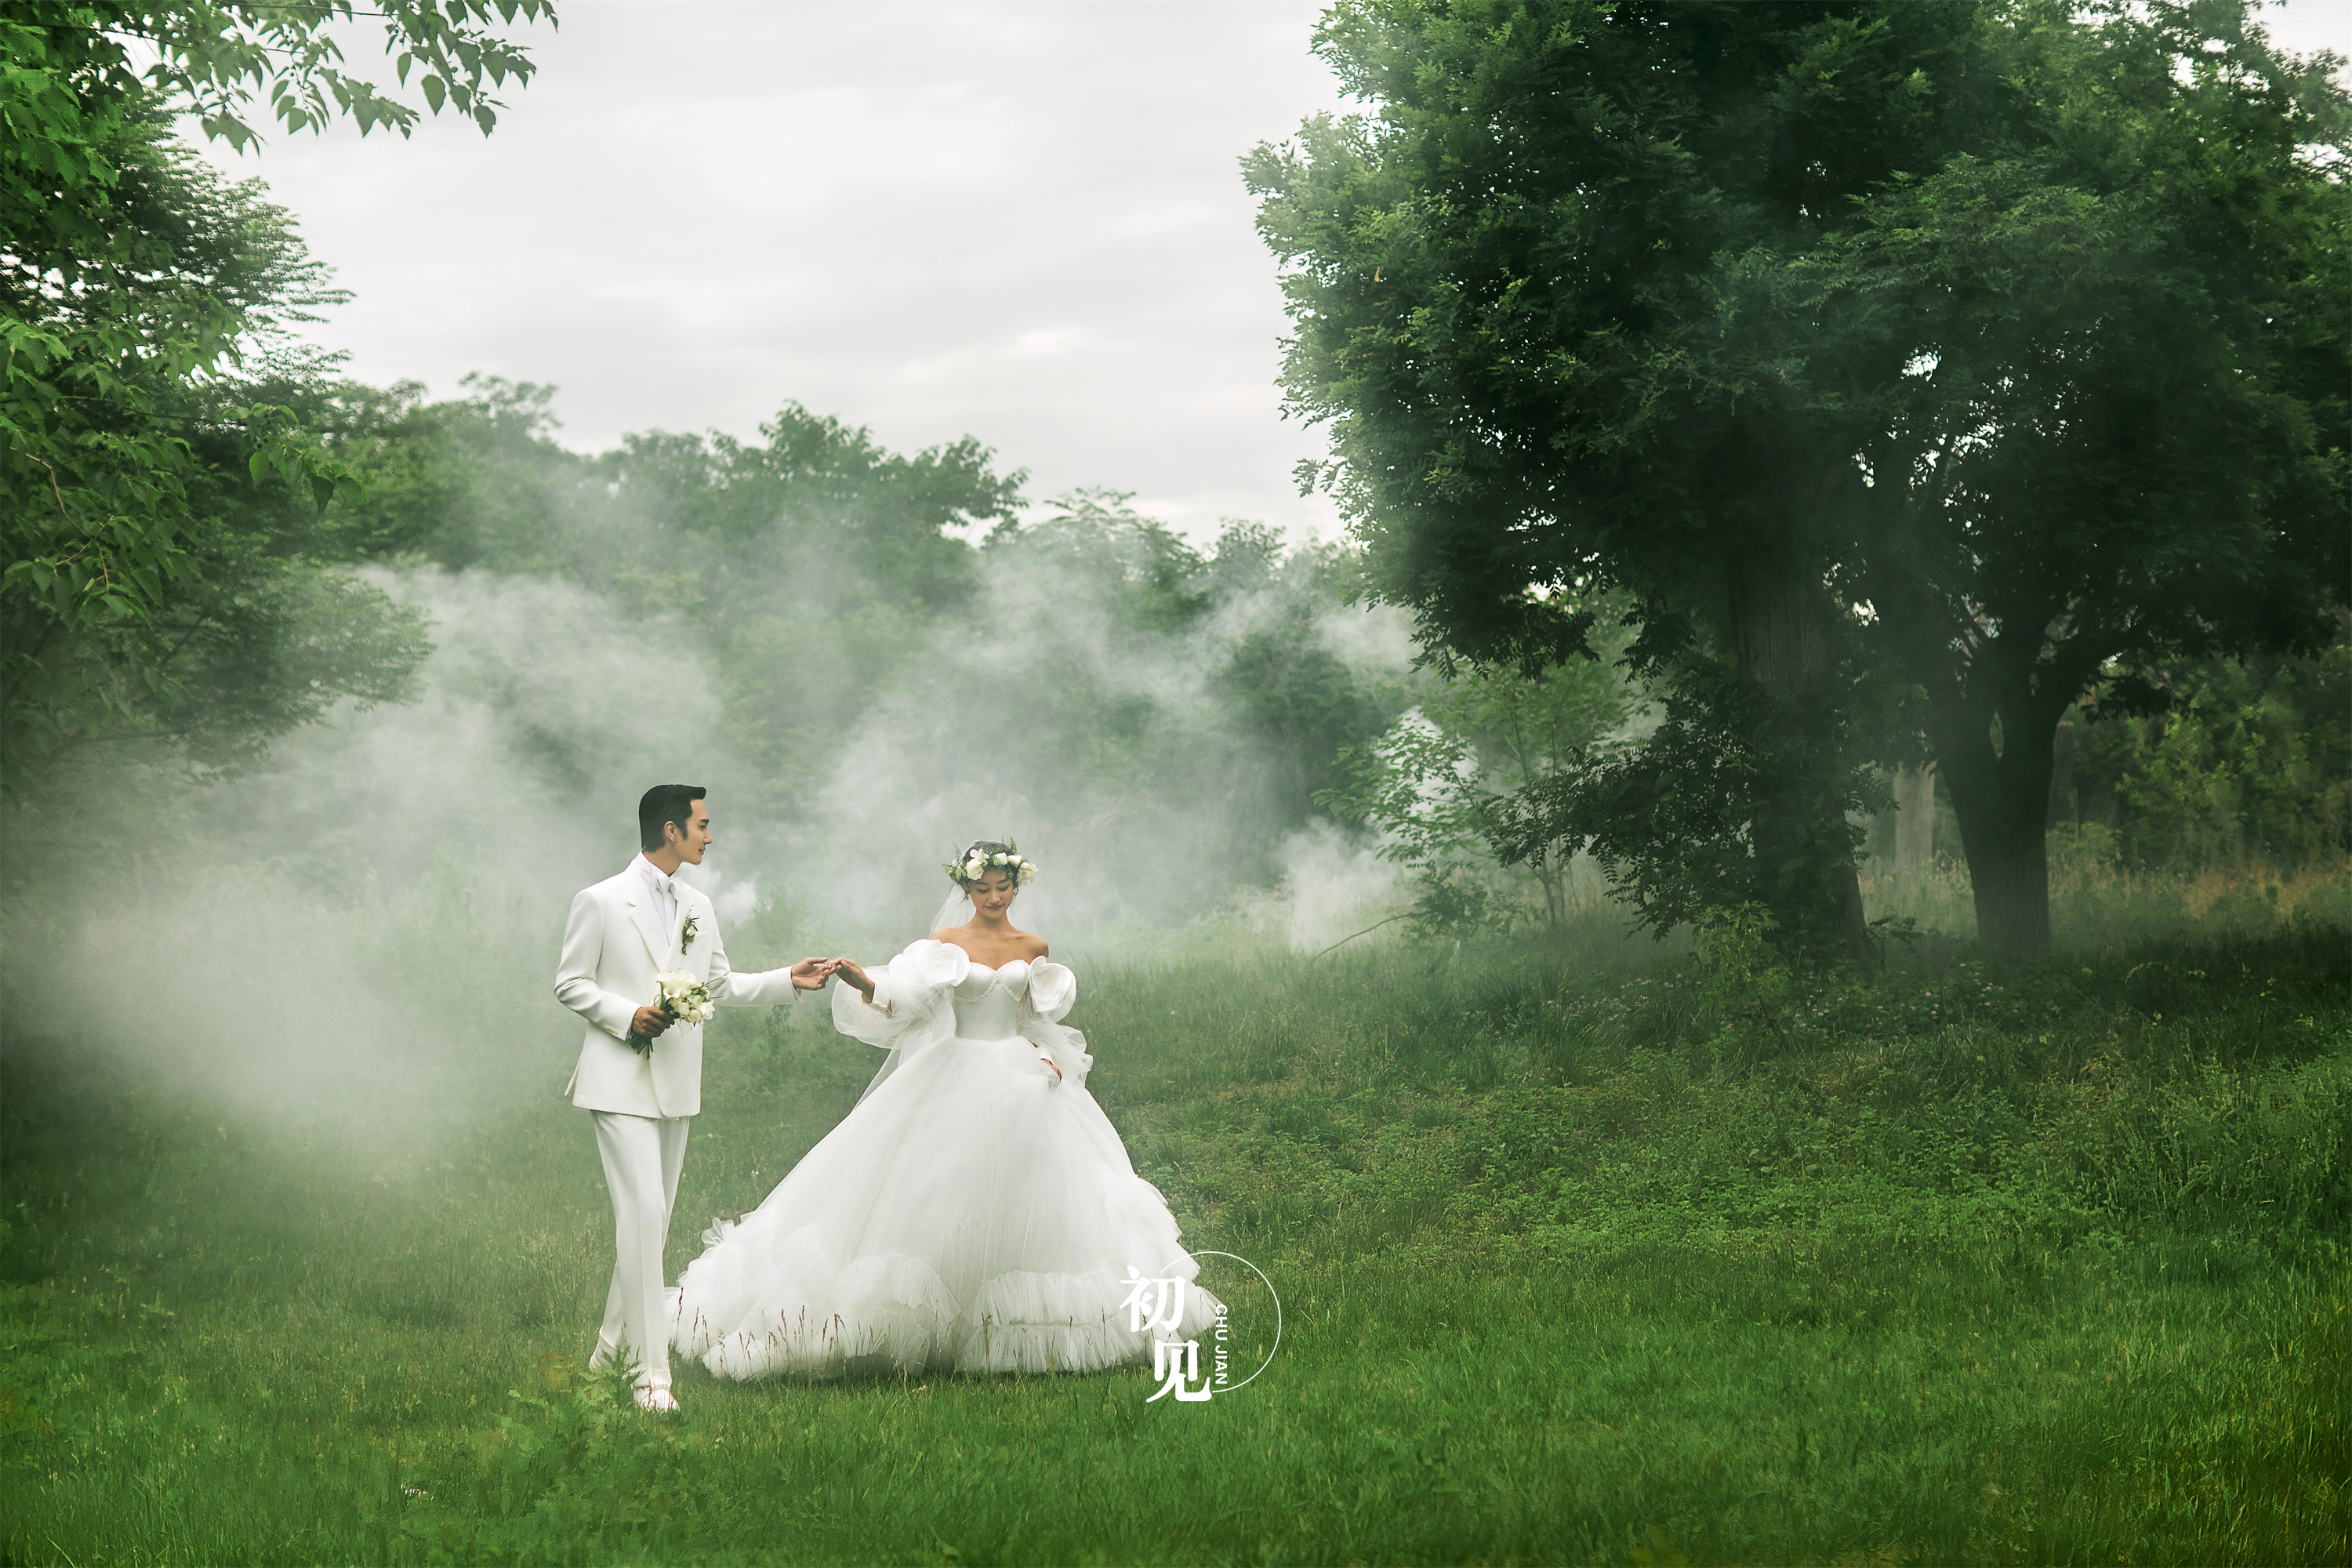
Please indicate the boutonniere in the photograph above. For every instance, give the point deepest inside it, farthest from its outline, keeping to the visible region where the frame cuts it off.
(687, 933)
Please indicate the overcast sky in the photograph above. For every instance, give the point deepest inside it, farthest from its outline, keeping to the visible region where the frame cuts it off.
(1021, 220)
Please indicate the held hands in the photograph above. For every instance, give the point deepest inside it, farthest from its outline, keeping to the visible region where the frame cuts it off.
(810, 973)
(848, 970)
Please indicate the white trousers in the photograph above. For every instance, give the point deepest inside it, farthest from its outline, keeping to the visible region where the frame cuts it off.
(642, 1157)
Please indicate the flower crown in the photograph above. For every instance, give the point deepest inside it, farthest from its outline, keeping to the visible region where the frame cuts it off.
(979, 861)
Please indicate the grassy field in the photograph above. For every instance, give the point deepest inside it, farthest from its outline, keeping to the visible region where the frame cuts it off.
(1580, 1262)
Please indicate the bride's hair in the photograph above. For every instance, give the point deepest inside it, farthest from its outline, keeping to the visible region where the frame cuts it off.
(982, 855)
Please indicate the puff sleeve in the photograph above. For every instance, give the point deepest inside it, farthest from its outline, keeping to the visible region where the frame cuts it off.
(912, 1007)
(1052, 990)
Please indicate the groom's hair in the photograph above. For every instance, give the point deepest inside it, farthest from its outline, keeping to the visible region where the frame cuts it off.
(665, 802)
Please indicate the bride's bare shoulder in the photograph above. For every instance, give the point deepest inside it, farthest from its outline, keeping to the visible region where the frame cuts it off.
(1033, 946)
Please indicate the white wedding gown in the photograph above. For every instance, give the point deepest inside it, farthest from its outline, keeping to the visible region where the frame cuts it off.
(970, 1213)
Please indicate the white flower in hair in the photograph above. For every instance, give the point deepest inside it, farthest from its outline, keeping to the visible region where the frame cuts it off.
(977, 863)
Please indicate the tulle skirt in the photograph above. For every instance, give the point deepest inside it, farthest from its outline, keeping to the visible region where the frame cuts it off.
(971, 1215)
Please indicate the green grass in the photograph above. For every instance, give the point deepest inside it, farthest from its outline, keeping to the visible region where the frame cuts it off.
(1577, 1266)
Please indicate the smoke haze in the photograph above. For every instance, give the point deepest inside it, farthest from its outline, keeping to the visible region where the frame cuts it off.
(364, 930)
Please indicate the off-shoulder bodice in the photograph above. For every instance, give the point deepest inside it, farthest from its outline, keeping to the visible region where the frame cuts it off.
(934, 990)
(988, 1000)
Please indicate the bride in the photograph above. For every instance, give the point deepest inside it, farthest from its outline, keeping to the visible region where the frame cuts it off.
(975, 1211)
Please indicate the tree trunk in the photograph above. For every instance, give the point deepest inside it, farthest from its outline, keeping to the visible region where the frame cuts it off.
(1915, 825)
(2001, 799)
(1551, 875)
(2061, 775)
(1779, 620)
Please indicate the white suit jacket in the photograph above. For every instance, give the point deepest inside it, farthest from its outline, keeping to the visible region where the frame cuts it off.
(614, 950)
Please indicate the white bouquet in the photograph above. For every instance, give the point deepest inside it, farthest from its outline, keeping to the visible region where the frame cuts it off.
(684, 998)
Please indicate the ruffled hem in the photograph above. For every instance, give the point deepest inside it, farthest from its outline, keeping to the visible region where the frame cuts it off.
(894, 1313)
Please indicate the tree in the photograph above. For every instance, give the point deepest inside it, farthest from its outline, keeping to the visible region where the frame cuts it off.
(1289, 694)
(811, 562)
(1465, 781)
(212, 60)
(2251, 761)
(1642, 294)
(818, 558)
(129, 292)
(207, 609)
(1511, 303)
(2117, 432)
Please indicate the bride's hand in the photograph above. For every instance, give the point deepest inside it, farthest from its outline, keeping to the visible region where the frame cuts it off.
(848, 970)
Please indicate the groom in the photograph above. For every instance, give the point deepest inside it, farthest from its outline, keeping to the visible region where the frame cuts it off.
(640, 1072)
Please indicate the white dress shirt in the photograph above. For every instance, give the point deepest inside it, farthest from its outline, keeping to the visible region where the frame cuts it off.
(665, 893)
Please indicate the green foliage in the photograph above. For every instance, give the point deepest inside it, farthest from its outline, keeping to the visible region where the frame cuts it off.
(1301, 705)
(212, 60)
(808, 567)
(136, 286)
(831, 595)
(1456, 787)
(1745, 984)
(42, 1366)
(476, 480)
(237, 627)
(2162, 463)
(1134, 566)
(2249, 760)
(1678, 819)
(2007, 325)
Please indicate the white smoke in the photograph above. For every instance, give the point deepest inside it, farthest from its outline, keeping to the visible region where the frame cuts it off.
(1333, 888)
(345, 930)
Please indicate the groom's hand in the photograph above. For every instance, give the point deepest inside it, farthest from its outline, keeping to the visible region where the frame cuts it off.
(810, 973)
(649, 1023)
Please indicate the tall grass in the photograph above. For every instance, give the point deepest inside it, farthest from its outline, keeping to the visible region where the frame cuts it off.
(1584, 1255)
(2098, 902)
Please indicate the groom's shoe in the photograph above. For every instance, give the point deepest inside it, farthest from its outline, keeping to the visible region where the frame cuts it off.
(656, 1398)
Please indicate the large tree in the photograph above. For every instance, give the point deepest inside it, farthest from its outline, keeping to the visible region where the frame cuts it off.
(1512, 297)
(2107, 429)
(1688, 299)
(133, 291)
